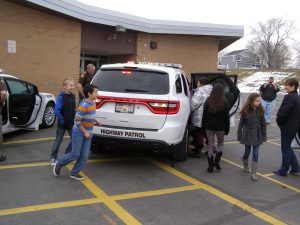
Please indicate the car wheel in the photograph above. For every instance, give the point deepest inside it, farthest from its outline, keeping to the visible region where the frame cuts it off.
(181, 151)
(49, 116)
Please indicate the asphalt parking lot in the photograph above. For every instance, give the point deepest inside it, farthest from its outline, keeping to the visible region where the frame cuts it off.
(136, 187)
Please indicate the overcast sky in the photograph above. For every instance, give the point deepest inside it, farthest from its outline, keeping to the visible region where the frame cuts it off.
(231, 12)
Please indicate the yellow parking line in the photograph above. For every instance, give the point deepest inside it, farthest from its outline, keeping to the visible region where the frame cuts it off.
(15, 166)
(31, 140)
(154, 193)
(25, 165)
(220, 194)
(267, 176)
(126, 217)
(57, 205)
(101, 199)
(274, 143)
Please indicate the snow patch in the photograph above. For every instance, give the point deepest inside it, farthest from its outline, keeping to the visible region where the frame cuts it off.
(254, 81)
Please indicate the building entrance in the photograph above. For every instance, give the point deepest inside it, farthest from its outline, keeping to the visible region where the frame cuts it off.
(96, 60)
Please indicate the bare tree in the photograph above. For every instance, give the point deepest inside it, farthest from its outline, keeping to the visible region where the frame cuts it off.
(270, 42)
(297, 49)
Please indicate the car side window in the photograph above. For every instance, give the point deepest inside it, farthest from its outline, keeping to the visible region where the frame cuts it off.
(178, 85)
(17, 87)
(185, 85)
(31, 88)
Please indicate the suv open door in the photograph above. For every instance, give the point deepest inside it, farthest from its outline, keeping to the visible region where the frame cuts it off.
(229, 82)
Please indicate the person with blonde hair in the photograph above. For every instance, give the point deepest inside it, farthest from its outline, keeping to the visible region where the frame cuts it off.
(65, 113)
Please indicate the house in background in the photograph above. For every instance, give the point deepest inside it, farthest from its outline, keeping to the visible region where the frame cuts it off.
(240, 59)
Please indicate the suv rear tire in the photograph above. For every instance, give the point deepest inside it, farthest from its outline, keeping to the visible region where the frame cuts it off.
(181, 151)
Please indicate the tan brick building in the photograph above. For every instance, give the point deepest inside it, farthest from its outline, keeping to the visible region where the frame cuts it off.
(56, 39)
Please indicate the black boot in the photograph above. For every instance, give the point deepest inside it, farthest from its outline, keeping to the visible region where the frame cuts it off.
(196, 152)
(217, 160)
(210, 168)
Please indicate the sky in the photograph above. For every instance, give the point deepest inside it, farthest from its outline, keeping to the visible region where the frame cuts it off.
(230, 12)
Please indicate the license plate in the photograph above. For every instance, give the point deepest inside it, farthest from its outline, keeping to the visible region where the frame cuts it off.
(124, 107)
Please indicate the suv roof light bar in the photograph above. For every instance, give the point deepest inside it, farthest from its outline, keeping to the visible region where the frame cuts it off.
(172, 65)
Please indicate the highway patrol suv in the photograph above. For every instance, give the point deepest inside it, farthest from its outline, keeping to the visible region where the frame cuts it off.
(145, 105)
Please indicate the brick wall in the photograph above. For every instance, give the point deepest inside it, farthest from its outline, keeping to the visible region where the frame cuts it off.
(195, 53)
(48, 46)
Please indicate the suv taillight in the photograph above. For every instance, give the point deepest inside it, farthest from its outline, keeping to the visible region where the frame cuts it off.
(155, 106)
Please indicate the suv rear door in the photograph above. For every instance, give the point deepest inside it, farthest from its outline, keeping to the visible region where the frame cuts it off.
(24, 104)
(232, 93)
(132, 98)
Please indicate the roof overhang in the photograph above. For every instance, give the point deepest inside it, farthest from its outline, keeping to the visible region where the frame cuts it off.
(92, 14)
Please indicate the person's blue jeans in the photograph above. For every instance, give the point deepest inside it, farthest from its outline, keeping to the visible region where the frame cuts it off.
(289, 158)
(268, 107)
(254, 152)
(80, 152)
(60, 132)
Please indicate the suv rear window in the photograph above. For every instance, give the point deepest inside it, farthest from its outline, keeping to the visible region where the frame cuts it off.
(132, 81)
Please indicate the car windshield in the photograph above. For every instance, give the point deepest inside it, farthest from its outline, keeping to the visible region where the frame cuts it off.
(132, 81)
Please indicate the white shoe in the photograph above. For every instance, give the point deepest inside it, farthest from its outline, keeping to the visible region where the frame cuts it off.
(52, 162)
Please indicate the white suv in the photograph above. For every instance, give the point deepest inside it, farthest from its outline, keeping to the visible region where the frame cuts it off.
(145, 105)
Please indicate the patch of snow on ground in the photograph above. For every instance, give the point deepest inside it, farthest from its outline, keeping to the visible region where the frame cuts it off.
(254, 81)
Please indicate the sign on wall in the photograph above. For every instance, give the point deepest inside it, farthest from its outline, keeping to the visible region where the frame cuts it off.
(11, 46)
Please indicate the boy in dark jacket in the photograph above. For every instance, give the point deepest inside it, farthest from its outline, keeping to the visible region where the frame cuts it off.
(65, 113)
(288, 120)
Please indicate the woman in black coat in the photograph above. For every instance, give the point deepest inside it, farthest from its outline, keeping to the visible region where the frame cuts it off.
(215, 121)
(288, 120)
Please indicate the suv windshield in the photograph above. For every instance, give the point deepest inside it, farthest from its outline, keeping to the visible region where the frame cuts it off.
(132, 81)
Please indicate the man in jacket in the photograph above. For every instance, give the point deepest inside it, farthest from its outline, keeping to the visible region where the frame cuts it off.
(288, 120)
(268, 94)
(85, 79)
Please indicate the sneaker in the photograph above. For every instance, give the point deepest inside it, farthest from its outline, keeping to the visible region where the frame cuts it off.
(52, 162)
(56, 169)
(277, 172)
(2, 158)
(295, 173)
(76, 176)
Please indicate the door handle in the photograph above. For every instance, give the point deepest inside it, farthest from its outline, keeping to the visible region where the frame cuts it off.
(15, 118)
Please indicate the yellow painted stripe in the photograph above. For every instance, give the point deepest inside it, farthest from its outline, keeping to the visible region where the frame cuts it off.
(31, 140)
(126, 217)
(154, 193)
(237, 142)
(274, 143)
(231, 142)
(268, 174)
(266, 177)
(57, 205)
(220, 194)
(15, 166)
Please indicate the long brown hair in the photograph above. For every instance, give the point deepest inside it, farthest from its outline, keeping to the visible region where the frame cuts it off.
(248, 106)
(216, 101)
